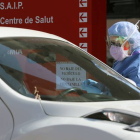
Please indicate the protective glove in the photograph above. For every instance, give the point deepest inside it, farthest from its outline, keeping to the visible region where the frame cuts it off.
(92, 86)
(105, 90)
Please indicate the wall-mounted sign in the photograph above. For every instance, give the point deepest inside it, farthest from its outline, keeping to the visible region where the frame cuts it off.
(70, 20)
(79, 21)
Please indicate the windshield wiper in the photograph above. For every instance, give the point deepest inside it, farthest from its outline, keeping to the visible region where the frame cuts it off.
(105, 97)
(98, 97)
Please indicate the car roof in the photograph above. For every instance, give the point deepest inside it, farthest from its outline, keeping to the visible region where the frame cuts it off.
(22, 32)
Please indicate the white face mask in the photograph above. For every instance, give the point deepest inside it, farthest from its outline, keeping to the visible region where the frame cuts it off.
(118, 53)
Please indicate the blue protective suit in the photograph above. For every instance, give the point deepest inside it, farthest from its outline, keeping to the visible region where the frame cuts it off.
(130, 67)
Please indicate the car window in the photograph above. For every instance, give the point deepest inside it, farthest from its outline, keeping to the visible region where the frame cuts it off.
(59, 71)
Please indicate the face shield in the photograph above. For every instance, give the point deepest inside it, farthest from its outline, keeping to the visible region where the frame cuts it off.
(117, 41)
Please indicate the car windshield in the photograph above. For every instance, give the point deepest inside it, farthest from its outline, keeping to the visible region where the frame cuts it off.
(59, 71)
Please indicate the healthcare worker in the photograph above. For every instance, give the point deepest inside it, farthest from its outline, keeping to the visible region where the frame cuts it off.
(124, 47)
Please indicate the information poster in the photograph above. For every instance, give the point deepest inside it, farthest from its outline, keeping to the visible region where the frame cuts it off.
(71, 75)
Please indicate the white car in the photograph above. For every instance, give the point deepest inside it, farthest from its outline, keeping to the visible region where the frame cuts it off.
(43, 96)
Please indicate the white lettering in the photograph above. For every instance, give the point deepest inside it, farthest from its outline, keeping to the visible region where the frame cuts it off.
(2, 5)
(19, 5)
(9, 5)
(10, 21)
(44, 19)
(28, 20)
(14, 52)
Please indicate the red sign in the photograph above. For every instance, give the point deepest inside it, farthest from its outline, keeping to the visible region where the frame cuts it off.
(78, 21)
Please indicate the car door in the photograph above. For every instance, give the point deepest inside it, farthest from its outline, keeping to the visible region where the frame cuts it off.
(6, 122)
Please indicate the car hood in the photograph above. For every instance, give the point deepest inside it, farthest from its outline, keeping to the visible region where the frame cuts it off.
(82, 109)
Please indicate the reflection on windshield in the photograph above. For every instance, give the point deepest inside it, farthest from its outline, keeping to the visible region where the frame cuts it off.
(109, 72)
(60, 72)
